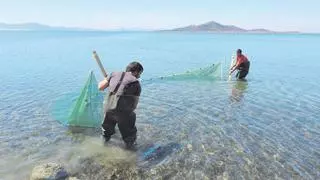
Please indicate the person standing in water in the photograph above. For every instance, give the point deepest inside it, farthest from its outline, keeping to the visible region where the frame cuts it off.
(124, 91)
(242, 65)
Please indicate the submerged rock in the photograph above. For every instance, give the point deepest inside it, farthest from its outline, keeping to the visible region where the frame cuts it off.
(100, 167)
(50, 171)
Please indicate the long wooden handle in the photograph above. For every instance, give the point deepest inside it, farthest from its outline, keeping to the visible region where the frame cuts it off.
(96, 57)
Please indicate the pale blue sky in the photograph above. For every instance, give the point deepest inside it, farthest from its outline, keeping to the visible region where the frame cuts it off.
(282, 15)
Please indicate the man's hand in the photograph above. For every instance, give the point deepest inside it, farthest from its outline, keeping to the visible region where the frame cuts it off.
(231, 71)
(103, 84)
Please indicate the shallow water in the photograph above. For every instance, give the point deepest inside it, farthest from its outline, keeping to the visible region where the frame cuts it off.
(265, 128)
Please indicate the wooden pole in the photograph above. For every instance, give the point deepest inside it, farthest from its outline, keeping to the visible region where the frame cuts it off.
(96, 57)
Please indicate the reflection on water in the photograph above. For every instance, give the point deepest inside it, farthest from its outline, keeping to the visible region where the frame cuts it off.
(238, 90)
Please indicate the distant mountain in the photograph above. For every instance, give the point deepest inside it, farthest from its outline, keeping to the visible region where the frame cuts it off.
(260, 31)
(35, 27)
(213, 26)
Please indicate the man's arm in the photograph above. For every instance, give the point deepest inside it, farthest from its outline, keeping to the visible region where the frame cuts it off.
(234, 67)
(103, 84)
(131, 95)
(135, 89)
(138, 92)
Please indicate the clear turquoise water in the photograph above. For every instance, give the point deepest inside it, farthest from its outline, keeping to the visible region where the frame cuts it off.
(265, 128)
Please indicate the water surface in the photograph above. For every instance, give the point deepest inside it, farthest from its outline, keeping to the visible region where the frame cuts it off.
(265, 128)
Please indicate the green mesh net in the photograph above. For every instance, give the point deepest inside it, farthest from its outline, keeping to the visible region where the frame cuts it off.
(211, 72)
(84, 111)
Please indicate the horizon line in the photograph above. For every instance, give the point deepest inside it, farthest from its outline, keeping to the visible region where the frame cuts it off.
(78, 28)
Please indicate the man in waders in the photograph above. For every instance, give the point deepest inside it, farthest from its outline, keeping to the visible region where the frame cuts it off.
(242, 65)
(124, 91)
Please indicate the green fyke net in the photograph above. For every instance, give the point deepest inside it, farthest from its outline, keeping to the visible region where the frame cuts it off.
(212, 72)
(87, 111)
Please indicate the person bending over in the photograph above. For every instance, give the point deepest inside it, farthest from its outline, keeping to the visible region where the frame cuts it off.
(124, 91)
(242, 65)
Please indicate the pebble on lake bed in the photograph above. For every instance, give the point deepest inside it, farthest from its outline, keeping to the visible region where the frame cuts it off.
(50, 171)
(189, 147)
(73, 178)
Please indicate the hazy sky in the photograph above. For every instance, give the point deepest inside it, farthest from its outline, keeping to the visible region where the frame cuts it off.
(283, 15)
